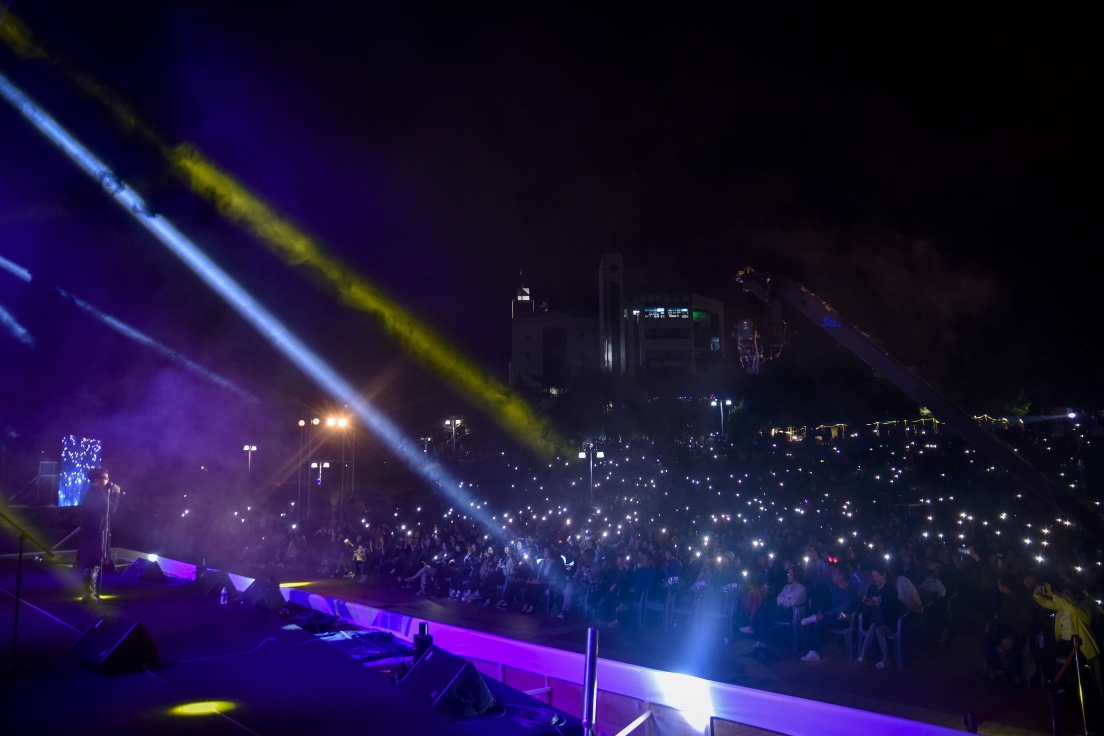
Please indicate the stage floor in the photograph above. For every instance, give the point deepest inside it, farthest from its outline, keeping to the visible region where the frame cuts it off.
(936, 686)
(279, 678)
(293, 681)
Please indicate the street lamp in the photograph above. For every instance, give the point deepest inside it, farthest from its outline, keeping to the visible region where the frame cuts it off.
(721, 405)
(454, 423)
(299, 476)
(250, 449)
(319, 466)
(345, 423)
(589, 451)
(310, 455)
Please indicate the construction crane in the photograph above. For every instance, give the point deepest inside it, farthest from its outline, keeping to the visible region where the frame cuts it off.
(755, 348)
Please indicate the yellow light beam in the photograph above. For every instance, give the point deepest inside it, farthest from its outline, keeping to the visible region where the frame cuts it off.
(245, 209)
(203, 708)
(242, 207)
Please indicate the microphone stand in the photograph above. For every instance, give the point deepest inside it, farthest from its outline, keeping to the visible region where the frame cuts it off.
(24, 535)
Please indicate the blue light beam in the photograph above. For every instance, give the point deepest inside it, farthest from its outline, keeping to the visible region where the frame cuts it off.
(15, 270)
(126, 330)
(241, 301)
(18, 331)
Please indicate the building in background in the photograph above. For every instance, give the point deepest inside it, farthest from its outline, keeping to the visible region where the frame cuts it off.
(633, 333)
(611, 314)
(682, 331)
(548, 348)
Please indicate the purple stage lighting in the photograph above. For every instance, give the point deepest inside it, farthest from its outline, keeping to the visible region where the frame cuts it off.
(242, 302)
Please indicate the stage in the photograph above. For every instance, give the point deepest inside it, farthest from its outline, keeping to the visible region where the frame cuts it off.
(273, 678)
(278, 677)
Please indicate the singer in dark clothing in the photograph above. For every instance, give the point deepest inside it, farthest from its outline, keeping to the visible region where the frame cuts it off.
(99, 502)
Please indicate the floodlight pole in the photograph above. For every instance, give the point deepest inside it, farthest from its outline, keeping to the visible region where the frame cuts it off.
(589, 451)
(299, 480)
(590, 684)
(720, 406)
(23, 537)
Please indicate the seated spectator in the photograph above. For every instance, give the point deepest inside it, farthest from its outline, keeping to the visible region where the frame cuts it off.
(490, 573)
(516, 581)
(910, 569)
(829, 610)
(446, 578)
(882, 611)
(933, 594)
(672, 566)
(907, 593)
(760, 591)
(578, 585)
(793, 595)
(1008, 630)
(547, 575)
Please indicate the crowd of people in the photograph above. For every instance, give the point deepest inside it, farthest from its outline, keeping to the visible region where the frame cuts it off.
(815, 531)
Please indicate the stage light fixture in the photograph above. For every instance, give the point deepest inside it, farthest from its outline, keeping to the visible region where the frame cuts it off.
(238, 298)
(18, 331)
(15, 270)
(203, 708)
(127, 331)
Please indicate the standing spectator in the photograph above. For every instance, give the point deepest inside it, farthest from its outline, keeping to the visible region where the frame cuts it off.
(934, 595)
(1069, 619)
(1009, 628)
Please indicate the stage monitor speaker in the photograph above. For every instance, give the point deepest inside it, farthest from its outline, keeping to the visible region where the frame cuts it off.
(449, 683)
(144, 569)
(315, 621)
(515, 713)
(264, 595)
(115, 646)
(212, 582)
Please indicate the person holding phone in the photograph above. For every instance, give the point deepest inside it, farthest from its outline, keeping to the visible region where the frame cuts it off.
(882, 610)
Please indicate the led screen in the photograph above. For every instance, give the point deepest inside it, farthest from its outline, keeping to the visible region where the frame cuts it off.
(78, 456)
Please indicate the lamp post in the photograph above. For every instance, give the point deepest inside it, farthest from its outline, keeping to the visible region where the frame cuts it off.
(319, 466)
(299, 477)
(454, 423)
(344, 423)
(310, 455)
(249, 450)
(721, 405)
(589, 451)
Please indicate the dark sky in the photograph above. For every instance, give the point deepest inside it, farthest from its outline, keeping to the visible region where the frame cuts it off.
(933, 175)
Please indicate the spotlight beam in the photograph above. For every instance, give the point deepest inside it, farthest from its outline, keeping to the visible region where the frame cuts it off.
(143, 339)
(19, 332)
(239, 299)
(15, 270)
(240, 206)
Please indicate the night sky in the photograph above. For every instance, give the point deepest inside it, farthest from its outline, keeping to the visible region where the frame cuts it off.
(934, 176)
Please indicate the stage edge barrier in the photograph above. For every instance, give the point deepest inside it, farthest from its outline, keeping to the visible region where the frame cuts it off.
(679, 703)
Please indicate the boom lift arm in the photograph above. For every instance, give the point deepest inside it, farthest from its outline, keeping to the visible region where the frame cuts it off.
(772, 289)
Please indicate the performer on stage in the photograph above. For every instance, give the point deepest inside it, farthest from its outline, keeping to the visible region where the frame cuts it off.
(100, 501)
